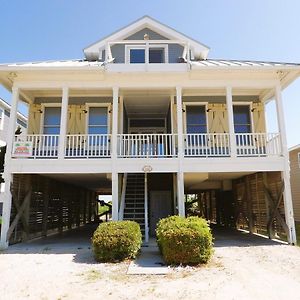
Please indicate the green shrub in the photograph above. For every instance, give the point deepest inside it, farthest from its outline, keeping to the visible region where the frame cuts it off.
(116, 241)
(184, 240)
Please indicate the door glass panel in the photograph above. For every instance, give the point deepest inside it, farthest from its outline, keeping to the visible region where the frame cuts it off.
(156, 55)
(137, 56)
(97, 124)
(196, 119)
(242, 120)
(52, 120)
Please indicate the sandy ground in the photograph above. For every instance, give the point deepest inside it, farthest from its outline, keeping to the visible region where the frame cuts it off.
(243, 267)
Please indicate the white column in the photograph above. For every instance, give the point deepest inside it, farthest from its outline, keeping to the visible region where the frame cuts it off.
(180, 194)
(63, 122)
(180, 176)
(146, 209)
(5, 196)
(114, 145)
(179, 122)
(115, 196)
(230, 121)
(115, 122)
(288, 204)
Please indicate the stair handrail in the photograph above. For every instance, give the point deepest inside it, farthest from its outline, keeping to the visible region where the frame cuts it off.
(122, 204)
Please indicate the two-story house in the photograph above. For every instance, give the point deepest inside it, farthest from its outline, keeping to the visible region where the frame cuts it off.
(148, 117)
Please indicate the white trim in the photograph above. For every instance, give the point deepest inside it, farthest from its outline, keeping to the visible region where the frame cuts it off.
(148, 22)
(147, 48)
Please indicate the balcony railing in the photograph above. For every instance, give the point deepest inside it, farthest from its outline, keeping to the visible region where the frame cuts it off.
(36, 146)
(148, 145)
(258, 144)
(206, 145)
(87, 145)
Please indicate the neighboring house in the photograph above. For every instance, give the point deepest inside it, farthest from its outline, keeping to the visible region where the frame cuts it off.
(148, 117)
(294, 153)
(4, 120)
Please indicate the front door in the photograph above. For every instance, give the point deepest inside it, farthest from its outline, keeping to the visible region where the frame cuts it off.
(160, 207)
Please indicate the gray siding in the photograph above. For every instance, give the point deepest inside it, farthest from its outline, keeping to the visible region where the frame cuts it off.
(175, 52)
(139, 35)
(118, 52)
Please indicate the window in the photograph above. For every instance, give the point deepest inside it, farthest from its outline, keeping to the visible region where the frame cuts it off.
(242, 120)
(299, 159)
(140, 54)
(51, 120)
(156, 55)
(97, 121)
(196, 119)
(137, 56)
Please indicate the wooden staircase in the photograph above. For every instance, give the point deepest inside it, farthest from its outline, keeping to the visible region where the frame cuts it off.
(134, 209)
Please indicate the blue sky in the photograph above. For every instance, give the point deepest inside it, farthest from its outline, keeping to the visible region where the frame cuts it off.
(258, 30)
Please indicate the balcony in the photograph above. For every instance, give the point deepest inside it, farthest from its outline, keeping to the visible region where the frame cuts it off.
(84, 146)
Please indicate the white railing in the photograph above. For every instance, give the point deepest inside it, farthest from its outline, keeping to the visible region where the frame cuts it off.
(206, 145)
(258, 144)
(87, 145)
(147, 145)
(41, 145)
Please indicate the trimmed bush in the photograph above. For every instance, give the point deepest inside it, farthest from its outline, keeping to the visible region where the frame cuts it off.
(116, 241)
(185, 241)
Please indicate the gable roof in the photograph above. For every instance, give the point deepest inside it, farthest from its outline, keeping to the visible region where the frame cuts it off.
(200, 50)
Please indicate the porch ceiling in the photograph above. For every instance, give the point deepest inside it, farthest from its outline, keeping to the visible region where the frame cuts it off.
(198, 181)
(147, 106)
(100, 183)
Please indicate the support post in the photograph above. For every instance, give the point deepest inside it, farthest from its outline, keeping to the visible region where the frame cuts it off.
(114, 155)
(288, 204)
(146, 210)
(63, 122)
(180, 194)
(115, 123)
(180, 176)
(115, 196)
(230, 121)
(6, 196)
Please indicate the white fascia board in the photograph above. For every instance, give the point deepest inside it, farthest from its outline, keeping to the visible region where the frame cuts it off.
(152, 24)
(16, 68)
(296, 147)
(272, 68)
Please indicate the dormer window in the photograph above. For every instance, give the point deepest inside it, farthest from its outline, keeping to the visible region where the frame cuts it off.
(137, 55)
(157, 55)
(153, 54)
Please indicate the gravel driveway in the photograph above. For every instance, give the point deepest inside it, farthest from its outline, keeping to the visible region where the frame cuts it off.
(243, 267)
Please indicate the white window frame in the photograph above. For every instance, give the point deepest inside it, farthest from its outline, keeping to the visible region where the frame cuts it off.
(147, 48)
(43, 108)
(250, 105)
(185, 104)
(91, 105)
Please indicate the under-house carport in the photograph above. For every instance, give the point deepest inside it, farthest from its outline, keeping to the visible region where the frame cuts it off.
(43, 205)
(249, 201)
